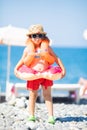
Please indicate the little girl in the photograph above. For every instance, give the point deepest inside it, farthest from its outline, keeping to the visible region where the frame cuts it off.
(38, 56)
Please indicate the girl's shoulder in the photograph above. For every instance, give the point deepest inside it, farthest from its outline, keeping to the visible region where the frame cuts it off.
(26, 49)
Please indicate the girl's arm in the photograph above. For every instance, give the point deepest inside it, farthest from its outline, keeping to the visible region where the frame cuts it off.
(21, 61)
(45, 52)
(27, 57)
(58, 61)
(30, 54)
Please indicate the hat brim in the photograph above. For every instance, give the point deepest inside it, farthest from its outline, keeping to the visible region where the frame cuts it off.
(36, 33)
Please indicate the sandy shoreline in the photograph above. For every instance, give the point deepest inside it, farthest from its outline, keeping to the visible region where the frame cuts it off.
(69, 116)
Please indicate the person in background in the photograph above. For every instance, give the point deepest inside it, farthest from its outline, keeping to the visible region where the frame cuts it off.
(83, 89)
(38, 56)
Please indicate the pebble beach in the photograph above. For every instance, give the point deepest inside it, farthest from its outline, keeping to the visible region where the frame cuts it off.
(68, 116)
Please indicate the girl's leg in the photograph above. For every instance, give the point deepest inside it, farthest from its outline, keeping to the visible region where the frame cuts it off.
(32, 101)
(49, 104)
(48, 100)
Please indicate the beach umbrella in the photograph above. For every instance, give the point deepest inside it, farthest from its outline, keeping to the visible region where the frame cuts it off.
(12, 36)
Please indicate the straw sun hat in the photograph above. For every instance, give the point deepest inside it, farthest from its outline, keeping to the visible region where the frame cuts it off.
(35, 29)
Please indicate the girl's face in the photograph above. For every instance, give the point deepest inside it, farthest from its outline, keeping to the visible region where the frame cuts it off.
(37, 38)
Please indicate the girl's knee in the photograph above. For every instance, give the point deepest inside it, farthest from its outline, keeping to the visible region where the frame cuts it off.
(46, 95)
(33, 94)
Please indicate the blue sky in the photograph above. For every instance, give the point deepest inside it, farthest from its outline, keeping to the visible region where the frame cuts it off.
(63, 20)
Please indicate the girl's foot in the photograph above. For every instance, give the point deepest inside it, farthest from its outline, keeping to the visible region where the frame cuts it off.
(31, 124)
(32, 118)
(51, 120)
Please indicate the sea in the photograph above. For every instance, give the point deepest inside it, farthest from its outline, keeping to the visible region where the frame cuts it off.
(74, 60)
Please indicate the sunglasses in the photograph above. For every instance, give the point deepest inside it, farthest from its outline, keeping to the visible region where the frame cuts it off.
(37, 36)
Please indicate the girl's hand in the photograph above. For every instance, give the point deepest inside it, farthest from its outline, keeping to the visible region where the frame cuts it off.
(63, 73)
(15, 71)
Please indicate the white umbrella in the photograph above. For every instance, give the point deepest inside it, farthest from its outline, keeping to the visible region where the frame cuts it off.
(12, 36)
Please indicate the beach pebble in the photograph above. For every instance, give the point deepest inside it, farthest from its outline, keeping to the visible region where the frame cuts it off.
(20, 103)
(68, 116)
(32, 125)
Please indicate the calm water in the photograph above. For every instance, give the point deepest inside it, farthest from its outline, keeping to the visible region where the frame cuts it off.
(74, 60)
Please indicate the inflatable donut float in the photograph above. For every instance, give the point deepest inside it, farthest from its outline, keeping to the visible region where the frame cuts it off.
(26, 73)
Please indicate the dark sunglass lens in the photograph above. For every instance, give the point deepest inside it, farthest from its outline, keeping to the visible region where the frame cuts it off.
(40, 35)
(37, 36)
(34, 36)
